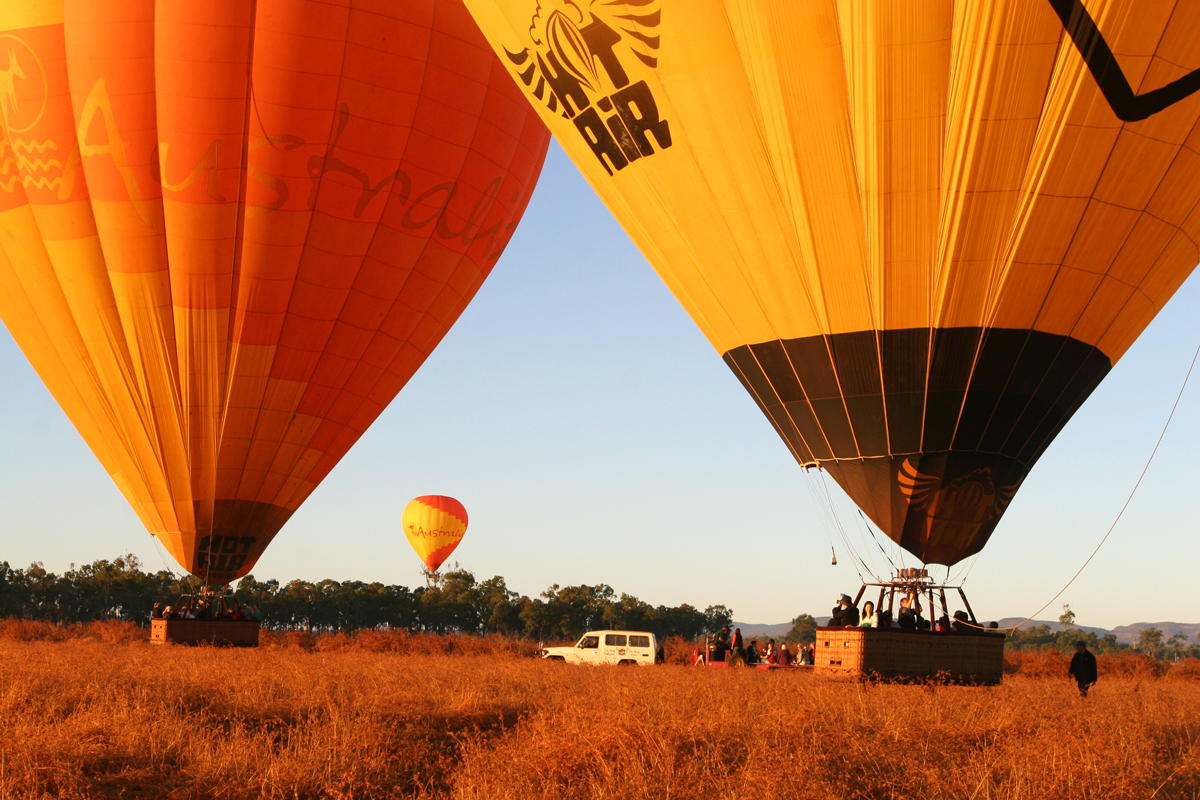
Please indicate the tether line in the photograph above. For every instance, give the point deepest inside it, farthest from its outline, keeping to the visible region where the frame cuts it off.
(1128, 500)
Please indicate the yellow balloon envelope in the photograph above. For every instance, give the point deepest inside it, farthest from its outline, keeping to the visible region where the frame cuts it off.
(920, 233)
(434, 526)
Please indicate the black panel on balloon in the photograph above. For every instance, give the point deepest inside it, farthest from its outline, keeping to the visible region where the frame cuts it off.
(930, 431)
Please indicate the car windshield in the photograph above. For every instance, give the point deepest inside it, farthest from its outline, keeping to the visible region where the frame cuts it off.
(589, 642)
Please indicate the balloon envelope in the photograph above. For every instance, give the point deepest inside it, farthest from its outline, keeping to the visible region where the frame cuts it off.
(919, 233)
(230, 232)
(434, 525)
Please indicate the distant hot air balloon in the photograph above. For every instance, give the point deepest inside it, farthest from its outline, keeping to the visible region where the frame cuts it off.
(230, 232)
(434, 525)
(920, 233)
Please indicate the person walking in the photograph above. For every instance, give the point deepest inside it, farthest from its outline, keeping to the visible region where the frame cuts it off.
(1083, 668)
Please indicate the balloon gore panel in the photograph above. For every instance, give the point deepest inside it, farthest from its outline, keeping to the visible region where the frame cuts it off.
(231, 232)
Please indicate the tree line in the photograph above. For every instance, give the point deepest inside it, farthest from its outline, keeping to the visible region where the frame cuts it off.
(450, 602)
(453, 601)
(1151, 641)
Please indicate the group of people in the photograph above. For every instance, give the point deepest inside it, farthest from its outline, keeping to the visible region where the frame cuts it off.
(724, 646)
(199, 608)
(845, 614)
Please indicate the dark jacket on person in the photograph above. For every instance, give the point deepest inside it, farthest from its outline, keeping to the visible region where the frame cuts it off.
(847, 615)
(1083, 667)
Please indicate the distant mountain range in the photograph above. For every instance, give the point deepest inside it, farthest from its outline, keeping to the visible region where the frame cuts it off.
(1127, 634)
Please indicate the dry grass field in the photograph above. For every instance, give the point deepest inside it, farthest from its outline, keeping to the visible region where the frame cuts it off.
(108, 715)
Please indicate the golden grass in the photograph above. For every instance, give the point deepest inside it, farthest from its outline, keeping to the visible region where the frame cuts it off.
(364, 718)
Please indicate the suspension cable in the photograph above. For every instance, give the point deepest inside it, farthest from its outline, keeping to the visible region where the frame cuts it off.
(832, 521)
(875, 539)
(1128, 500)
(855, 556)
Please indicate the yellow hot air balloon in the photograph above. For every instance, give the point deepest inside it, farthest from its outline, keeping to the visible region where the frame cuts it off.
(231, 231)
(434, 525)
(920, 233)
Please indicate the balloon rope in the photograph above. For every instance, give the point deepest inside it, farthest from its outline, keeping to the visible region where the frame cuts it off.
(875, 539)
(831, 520)
(158, 548)
(855, 557)
(1128, 500)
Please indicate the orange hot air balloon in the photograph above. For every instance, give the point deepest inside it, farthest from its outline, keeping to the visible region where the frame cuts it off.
(230, 233)
(434, 526)
(919, 233)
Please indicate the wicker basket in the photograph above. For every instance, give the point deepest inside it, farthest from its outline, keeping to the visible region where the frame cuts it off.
(897, 654)
(235, 633)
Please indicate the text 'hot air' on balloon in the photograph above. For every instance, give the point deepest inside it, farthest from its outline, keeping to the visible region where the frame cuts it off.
(230, 233)
(919, 233)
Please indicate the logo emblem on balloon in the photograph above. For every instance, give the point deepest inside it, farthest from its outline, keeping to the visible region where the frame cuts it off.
(577, 57)
(434, 525)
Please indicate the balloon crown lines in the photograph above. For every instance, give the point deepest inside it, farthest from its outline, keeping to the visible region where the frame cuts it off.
(565, 58)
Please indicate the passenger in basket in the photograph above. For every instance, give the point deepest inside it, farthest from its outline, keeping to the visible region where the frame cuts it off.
(752, 653)
(869, 618)
(909, 618)
(962, 622)
(943, 624)
(885, 619)
(156, 612)
(784, 659)
(844, 613)
(771, 653)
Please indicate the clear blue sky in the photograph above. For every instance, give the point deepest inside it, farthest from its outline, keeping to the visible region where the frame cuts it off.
(595, 437)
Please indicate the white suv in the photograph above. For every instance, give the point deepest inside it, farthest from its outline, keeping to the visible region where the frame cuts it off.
(607, 647)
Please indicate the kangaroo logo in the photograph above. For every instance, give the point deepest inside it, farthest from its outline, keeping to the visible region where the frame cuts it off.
(8, 83)
(22, 85)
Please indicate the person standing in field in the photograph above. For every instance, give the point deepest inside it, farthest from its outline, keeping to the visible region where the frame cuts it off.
(1083, 668)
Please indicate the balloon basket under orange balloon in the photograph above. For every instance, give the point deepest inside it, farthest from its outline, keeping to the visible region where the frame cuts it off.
(227, 633)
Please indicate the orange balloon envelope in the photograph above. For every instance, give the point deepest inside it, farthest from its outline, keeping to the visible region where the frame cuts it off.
(230, 232)
(434, 526)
